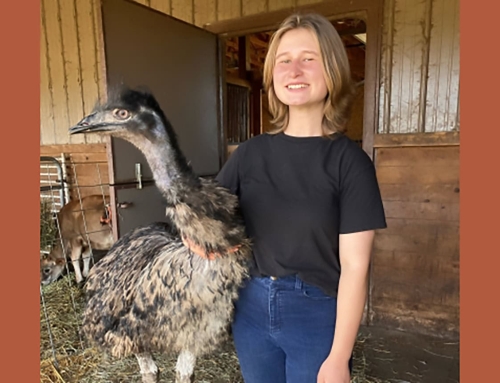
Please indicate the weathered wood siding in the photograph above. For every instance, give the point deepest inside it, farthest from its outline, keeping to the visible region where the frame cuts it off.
(420, 66)
(419, 72)
(71, 67)
(415, 271)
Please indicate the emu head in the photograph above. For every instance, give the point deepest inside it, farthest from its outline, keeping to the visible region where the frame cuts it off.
(136, 117)
(132, 115)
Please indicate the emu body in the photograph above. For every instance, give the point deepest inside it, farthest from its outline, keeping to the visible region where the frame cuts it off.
(150, 293)
(169, 300)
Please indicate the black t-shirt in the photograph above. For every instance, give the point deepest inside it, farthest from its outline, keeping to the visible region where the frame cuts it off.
(297, 194)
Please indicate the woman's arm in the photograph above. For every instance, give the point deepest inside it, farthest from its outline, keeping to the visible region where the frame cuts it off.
(355, 250)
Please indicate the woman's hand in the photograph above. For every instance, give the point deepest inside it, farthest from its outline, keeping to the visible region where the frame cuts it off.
(200, 251)
(334, 371)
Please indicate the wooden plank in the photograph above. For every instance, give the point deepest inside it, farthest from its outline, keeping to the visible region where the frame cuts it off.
(404, 262)
(252, 7)
(408, 44)
(420, 193)
(183, 10)
(417, 310)
(419, 156)
(422, 241)
(72, 69)
(428, 319)
(79, 158)
(438, 289)
(228, 9)
(147, 3)
(72, 148)
(47, 127)
(161, 6)
(387, 43)
(413, 278)
(411, 227)
(204, 11)
(87, 176)
(89, 170)
(253, 20)
(280, 4)
(56, 65)
(444, 67)
(418, 175)
(306, 2)
(88, 57)
(77, 193)
(430, 211)
(421, 291)
(417, 139)
(100, 56)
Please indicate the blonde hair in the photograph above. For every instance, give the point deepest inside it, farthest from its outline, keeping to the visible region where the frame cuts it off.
(336, 68)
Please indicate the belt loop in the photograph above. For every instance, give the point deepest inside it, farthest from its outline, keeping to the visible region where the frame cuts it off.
(298, 283)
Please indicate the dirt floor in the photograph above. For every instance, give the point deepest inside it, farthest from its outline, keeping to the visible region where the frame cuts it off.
(399, 357)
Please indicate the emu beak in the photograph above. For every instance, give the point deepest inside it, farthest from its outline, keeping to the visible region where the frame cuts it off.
(90, 124)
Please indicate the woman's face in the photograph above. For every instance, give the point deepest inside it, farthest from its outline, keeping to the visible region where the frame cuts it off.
(298, 74)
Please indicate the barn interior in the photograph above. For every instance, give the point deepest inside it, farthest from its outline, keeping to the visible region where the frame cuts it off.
(247, 104)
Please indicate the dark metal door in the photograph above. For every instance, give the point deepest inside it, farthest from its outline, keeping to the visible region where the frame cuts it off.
(179, 63)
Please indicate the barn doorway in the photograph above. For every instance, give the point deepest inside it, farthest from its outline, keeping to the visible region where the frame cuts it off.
(247, 104)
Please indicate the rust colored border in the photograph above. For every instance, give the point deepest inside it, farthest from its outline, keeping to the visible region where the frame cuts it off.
(479, 192)
(20, 282)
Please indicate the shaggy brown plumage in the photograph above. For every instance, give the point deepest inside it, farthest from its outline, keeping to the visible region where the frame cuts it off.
(150, 293)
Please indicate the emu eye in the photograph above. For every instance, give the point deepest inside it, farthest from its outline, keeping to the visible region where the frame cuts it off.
(122, 114)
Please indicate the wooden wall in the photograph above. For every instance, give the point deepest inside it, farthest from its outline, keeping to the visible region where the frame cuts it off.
(71, 67)
(415, 271)
(420, 66)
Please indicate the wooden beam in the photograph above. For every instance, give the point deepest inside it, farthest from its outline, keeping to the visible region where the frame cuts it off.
(270, 20)
(242, 57)
(72, 148)
(417, 139)
(349, 31)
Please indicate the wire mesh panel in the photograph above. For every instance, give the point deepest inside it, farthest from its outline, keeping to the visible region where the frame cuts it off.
(74, 220)
(52, 185)
(53, 196)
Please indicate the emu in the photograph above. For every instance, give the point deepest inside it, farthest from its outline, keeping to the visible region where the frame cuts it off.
(150, 293)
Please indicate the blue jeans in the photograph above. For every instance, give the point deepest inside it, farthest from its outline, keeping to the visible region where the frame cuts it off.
(283, 330)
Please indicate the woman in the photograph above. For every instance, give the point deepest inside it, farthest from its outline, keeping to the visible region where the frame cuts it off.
(311, 203)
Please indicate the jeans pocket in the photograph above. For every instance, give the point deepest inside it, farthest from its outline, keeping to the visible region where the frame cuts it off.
(313, 292)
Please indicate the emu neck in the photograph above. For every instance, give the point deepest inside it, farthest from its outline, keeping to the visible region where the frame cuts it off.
(171, 171)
